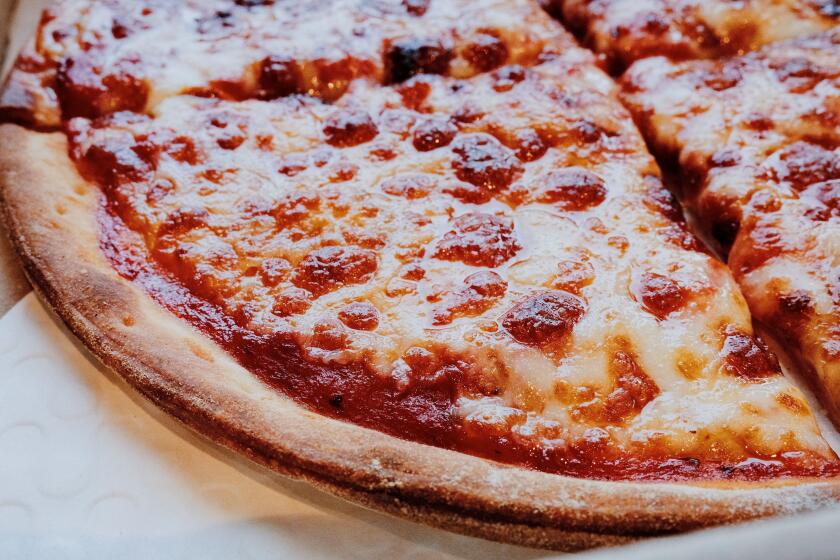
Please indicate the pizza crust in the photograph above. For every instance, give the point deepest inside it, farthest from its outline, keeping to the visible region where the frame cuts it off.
(51, 213)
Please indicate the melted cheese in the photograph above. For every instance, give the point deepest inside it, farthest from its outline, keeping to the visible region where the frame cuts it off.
(759, 135)
(132, 55)
(628, 30)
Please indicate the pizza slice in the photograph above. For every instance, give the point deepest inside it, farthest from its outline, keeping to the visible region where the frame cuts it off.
(757, 140)
(629, 30)
(93, 58)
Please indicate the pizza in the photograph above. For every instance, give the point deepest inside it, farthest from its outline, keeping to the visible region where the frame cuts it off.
(628, 30)
(756, 139)
(413, 252)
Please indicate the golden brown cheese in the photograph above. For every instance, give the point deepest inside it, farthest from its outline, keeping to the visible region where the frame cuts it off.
(629, 30)
(489, 264)
(91, 58)
(757, 139)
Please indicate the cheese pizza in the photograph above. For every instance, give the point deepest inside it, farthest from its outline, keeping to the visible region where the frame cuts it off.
(414, 252)
(756, 140)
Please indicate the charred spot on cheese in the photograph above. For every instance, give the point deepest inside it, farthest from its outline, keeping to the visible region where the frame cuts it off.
(486, 52)
(507, 77)
(529, 145)
(432, 133)
(803, 164)
(766, 242)
(85, 89)
(573, 188)
(347, 128)
(279, 77)
(658, 294)
(481, 290)
(482, 161)
(416, 7)
(329, 268)
(360, 316)
(405, 58)
(746, 357)
(479, 240)
(545, 318)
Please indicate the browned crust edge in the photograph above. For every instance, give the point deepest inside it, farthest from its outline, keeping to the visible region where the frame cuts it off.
(50, 212)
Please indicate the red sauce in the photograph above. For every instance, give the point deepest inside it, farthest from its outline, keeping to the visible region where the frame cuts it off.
(349, 128)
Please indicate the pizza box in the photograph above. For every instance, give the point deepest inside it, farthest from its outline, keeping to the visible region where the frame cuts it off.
(90, 470)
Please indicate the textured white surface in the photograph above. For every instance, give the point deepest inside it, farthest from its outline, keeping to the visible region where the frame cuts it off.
(86, 471)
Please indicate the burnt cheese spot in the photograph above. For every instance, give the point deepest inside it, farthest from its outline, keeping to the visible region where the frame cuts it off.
(84, 89)
(408, 57)
(802, 164)
(747, 357)
(658, 294)
(416, 7)
(480, 291)
(430, 134)
(183, 149)
(117, 161)
(482, 161)
(545, 318)
(348, 128)
(529, 145)
(486, 52)
(573, 188)
(479, 240)
(279, 77)
(330, 268)
(360, 316)
(506, 78)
